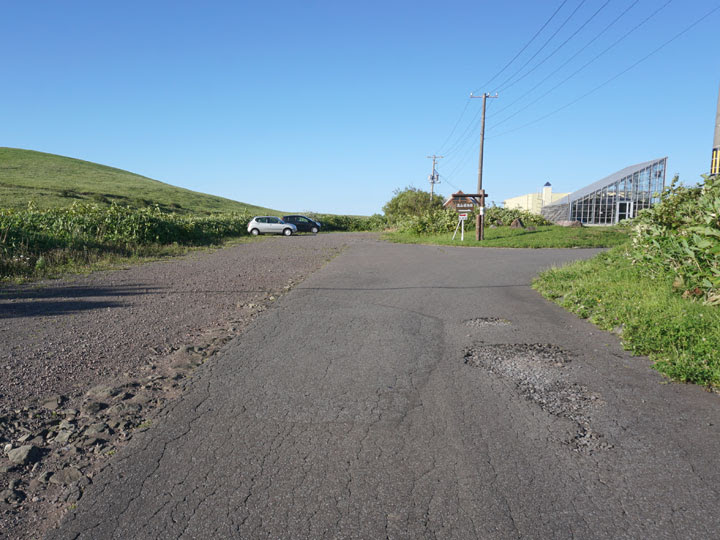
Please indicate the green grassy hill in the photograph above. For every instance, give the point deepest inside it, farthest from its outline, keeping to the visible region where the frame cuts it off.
(53, 181)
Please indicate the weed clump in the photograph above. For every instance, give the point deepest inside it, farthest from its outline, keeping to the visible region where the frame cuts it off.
(34, 240)
(681, 236)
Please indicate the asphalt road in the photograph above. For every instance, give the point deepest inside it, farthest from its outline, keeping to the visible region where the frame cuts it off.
(419, 392)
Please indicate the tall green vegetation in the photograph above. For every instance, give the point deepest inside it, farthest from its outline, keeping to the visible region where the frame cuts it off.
(336, 223)
(409, 202)
(413, 211)
(681, 236)
(36, 241)
(495, 215)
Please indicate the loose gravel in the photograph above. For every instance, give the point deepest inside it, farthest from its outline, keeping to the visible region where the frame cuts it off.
(483, 322)
(85, 361)
(60, 337)
(536, 370)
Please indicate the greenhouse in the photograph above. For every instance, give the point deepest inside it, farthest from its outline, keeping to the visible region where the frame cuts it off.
(614, 198)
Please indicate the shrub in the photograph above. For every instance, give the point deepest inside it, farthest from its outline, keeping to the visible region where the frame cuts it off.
(434, 221)
(441, 220)
(26, 236)
(332, 222)
(495, 215)
(410, 202)
(681, 235)
(100, 198)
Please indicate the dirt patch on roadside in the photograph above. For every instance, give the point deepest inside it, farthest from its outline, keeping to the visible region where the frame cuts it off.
(87, 362)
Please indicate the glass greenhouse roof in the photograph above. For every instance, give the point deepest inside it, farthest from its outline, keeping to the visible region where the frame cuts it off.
(607, 181)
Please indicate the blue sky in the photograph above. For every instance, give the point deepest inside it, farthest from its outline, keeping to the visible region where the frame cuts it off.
(329, 106)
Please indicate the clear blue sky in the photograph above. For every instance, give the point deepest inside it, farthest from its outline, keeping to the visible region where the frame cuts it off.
(329, 106)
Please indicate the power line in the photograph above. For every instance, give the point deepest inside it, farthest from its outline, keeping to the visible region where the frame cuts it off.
(526, 45)
(558, 47)
(467, 102)
(461, 162)
(445, 178)
(498, 89)
(593, 40)
(458, 164)
(467, 134)
(459, 141)
(592, 60)
(448, 182)
(457, 123)
(666, 43)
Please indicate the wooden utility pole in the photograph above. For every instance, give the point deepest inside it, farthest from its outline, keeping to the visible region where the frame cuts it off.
(433, 175)
(715, 161)
(480, 220)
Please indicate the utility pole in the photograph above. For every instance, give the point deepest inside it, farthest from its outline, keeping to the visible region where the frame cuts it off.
(715, 160)
(480, 220)
(433, 175)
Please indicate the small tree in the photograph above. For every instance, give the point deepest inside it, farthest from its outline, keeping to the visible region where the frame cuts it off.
(411, 202)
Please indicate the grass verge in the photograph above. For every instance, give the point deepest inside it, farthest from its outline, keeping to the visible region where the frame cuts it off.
(681, 337)
(552, 236)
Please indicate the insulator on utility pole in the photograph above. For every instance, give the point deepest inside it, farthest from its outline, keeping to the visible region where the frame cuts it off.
(434, 176)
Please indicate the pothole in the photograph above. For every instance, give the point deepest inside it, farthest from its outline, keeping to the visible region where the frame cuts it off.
(536, 370)
(587, 441)
(494, 355)
(482, 322)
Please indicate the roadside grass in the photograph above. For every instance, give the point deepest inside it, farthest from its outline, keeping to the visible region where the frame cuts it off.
(552, 236)
(681, 336)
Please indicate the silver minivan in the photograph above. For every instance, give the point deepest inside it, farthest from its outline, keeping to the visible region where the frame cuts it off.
(270, 225)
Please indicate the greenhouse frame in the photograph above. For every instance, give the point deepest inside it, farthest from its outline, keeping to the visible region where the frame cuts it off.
(614, 198)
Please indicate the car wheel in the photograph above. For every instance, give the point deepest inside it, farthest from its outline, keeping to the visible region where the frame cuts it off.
(287, 232)
(314, 230)
(254, 232)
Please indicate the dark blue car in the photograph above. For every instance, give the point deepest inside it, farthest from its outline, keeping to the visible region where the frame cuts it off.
(303, 223)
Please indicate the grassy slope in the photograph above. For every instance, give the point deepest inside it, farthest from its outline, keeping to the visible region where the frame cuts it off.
(56, 181)
(543, 237)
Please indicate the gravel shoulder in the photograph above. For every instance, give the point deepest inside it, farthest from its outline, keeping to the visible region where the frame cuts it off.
(86, 360)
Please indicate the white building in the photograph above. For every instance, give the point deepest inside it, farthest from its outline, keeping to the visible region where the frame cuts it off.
(534, 202)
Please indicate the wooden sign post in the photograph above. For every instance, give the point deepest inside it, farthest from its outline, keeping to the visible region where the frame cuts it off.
(479, 198)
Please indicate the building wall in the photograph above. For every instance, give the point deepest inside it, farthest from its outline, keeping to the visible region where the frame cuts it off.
(530, 201)
(534, 202)
(556, 212)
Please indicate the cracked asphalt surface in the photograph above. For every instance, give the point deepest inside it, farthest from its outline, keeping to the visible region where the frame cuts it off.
(348, 410)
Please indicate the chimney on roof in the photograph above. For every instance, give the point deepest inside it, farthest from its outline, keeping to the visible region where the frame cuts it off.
(547, 194)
